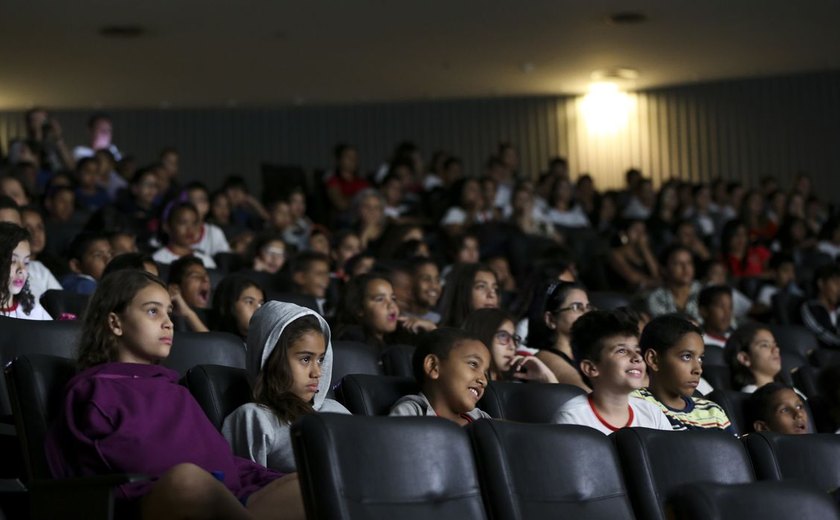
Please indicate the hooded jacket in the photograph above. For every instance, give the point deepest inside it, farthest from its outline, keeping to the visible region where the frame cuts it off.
(254, 431)
(136, 418)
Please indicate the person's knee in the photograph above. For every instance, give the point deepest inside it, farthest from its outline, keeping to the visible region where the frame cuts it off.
(188, 481)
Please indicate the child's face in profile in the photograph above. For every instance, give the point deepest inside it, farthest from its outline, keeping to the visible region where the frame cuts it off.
(762, 355)
(144, 330)
(305, 358)
(679, 368)
(379, 308)
(787, 414)
(717, 317)
(462, 375)
(621, 367)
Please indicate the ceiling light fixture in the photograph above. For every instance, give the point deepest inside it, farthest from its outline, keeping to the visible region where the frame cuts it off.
(627, 18)
(123, 31)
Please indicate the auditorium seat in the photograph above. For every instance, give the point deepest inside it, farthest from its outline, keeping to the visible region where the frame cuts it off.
(410, 468)
(219, 390)
(366, 394)
(718, 376)
(764, 500)
(60, 303)
(526, 402)
(813, 459)
(354, 357)
(396, 360)
(655, 462)
(795, 338)
(191, 349)
(579, 475)
(608, 300)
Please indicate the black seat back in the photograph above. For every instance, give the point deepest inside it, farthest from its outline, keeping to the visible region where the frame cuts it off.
(219, 390)
(608, 300)
(718, 376)
(396, 360)
(795, 338)
(813, 458)
(655, 462)
(36, 387)
(713, 355)
(583, 479)
(365, 394)
(19, 337)
(354, 357)
(765, 500)
(191, 349)
(385, 468)
(58, 302)
(526, 402)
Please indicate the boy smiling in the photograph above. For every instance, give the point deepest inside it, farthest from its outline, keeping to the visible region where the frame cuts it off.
(673, 352)
(607, 348)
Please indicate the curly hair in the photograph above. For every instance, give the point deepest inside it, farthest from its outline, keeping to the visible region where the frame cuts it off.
(273, 387)
(10, 236)
(114, 293)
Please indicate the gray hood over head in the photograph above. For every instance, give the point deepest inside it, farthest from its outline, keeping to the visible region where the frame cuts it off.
(267, 324)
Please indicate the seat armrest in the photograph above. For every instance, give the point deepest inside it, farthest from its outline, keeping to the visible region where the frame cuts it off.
(79, 497)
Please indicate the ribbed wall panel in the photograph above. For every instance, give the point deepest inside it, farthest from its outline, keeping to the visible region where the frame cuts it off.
(738, 130)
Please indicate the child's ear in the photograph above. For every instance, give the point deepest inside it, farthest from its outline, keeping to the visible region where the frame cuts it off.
(651, 359)
(431, 366)
(75, 266)
(588, 368)
(743, 358)
(550, 320)
(760, 426)
(114, 324)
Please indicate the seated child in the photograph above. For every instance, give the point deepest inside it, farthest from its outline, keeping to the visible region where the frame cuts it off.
(16, 300)
(783, 268)
(182, 227)
(90, 196)
(673, 350)
(820, 314)
(189, 288)
(450, 366)
(137, 261)
(41, 279)
(715, 306)
(776, 407)
(606, 348)
(268, 253)
(211, 239)
(290, 361)
(753, 357)
(89, 253)
(125, 413)
(235, 300)
(426, 288)
(311, 276)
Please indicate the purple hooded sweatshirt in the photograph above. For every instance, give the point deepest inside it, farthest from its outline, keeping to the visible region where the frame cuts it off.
(134, 418)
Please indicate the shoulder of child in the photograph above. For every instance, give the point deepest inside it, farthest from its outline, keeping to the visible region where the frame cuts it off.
(649, 415)
(411, 405)
(571, 409)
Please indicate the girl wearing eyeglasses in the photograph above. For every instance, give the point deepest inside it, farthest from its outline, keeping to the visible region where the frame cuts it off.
(495, 328)
(552, 314)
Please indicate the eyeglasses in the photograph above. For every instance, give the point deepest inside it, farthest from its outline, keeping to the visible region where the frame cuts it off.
(578, 307)
(505, 337)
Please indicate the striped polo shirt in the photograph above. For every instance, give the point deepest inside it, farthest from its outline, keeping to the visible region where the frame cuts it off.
(698, 413)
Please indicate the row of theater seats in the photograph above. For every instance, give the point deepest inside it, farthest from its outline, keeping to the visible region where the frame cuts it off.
(378, 467)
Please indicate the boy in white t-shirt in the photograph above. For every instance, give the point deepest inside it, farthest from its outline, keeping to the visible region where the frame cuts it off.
(606, 345)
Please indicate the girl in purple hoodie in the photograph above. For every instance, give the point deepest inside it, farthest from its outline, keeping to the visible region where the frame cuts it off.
(124, 413)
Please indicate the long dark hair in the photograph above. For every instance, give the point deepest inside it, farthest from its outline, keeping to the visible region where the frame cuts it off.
(350, 307)
(484, 324)
(114, 293)
(738, 342)
(457, 295)
(10, 236)
(273, 387)
(224, 300)
(549, 298)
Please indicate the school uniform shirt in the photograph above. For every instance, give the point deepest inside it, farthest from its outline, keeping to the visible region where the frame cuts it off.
(79, 283)
(697, 414)
(715, 340)
(418, 404)
(136, 418)
(165, 256)
(581, 410)
(212, 240)
(822, 322)
(16, 311)
(254, 431)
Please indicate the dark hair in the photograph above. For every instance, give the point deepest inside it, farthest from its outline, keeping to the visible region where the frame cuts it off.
(98, 116)
(224, 299)
(779, 259)
(456, 302)
(235, 182)
(823, 273)
(84, 162)
(672, 249)
(10, 236)
(260, 241)
(114, 293)
(351, 303)
(760, 402)
(303, 261)
(663, 332)
(709, 295)
(590, 330)
(484, 324)
(353, 261)
(273, 387)
(457, 242)
(729, 230)
(549, 297)
(136, 261)
(178, 269)
(408, 249)
(82, 243)
(7, 202)
(739, 341)
(439, 343)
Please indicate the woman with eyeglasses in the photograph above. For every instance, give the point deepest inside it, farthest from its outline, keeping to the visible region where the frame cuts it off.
(495, 328)
(551, 316)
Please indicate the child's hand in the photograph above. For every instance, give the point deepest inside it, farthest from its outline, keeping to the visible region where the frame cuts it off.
(530, 368)
(179, 306)
(416, 325)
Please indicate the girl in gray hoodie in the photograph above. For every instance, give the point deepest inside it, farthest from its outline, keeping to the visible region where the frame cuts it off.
(289, 361)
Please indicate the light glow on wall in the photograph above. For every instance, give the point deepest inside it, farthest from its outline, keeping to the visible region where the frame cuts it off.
(606, 109)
